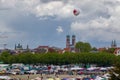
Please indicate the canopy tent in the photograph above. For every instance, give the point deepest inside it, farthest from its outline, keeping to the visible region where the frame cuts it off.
(5, 77)
(37, 78)
(77, 68)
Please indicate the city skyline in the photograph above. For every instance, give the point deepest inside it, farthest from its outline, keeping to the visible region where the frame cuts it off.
(47, 22)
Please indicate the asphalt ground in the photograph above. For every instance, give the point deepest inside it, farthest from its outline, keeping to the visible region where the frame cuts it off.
(33, 76)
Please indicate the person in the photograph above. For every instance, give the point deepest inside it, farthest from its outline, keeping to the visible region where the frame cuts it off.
(28, 77)
(41, 78)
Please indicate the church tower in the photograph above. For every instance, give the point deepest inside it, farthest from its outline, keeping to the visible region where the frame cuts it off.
(27, 47)
(113, 44)
(67, 41)
(73, 40)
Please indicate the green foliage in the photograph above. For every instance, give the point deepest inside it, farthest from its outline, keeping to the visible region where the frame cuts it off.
(94, 49)
(105, 59)
(115, 72)
(110, 50)
(101, 59)
(5, 57)
(26, 58)
(83, 47)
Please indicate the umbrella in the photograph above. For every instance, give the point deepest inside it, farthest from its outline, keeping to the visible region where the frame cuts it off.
(37, 78)
(99, 78)
(65, 79)
(57, 79)
(103, 69)
(50, 79)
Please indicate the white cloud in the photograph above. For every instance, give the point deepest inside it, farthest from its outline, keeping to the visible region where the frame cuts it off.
(98, 19)
(4, 28)
(54, 8)
(7, 3)
(59, 29)
(99, 27)
(7, 34)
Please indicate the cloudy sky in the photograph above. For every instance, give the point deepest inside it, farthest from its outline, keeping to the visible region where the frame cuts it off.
(47, 22)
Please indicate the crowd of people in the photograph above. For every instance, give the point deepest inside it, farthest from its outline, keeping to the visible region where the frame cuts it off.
(55, 72)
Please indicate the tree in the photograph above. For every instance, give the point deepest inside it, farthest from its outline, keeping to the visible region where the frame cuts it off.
(83, 47)
(115, 72)
(94, 49)
(104, 59)
(99, 58)
(111, 50)
(5, 55)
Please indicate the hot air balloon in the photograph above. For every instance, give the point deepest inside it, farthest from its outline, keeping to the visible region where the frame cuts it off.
(76, 12)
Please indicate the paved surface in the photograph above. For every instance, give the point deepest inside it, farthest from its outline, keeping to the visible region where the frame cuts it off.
(29, 77)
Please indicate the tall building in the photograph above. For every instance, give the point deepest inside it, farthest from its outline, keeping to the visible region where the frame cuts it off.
(27, 47)
(18, 47)
(70, 47)
(73, 40)
(113, 44)
(67, 41)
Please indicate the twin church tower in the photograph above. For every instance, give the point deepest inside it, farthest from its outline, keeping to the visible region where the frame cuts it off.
(71, 46)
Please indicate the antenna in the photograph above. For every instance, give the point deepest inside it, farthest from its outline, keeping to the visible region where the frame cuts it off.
(4, 46)
(3, 37)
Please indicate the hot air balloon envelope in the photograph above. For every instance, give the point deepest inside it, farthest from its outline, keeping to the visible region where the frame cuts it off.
(76, 12)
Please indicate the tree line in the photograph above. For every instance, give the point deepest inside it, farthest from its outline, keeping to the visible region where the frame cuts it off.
(100, 58)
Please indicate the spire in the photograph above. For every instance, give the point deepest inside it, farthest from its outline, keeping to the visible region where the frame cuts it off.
(115, 45)
(15, 46)
(73, 40)
(67, 41)
(112, 44)
(27, 47)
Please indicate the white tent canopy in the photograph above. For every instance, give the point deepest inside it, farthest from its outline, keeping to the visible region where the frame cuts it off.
(91, 68)
(77, 68)
(5, 77)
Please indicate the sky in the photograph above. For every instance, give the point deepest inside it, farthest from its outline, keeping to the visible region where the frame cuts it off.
(47, 22)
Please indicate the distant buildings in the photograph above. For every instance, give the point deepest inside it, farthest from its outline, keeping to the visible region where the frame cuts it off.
(19, 48)
(70, 47)
(116, 50)
(41, 49)
(102, 49)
